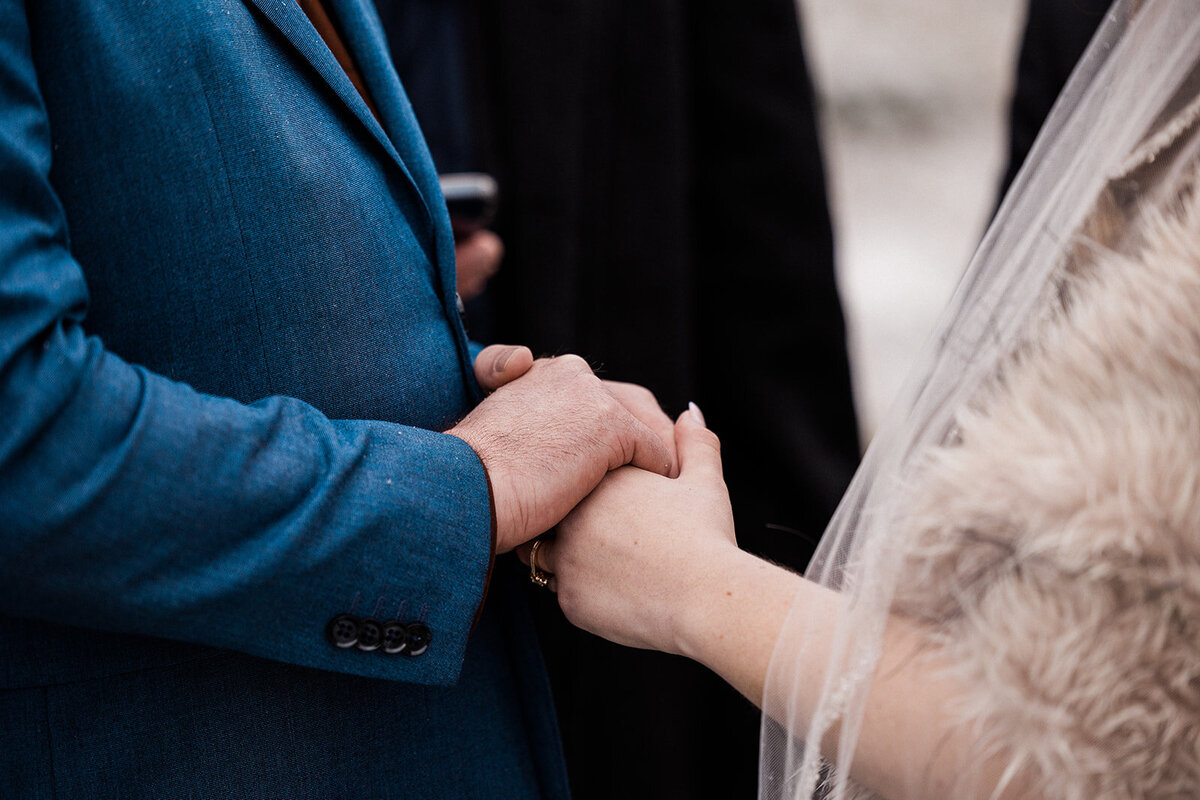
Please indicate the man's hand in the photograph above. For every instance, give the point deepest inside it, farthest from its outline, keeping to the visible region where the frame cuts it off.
(499, 364)
(477, 258)
(641, 402)
(548, 437)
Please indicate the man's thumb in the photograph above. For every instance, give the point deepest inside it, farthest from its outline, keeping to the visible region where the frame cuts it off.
(699, 448)
(499, 364)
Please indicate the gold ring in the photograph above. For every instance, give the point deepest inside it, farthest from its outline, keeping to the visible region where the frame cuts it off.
(537, 577)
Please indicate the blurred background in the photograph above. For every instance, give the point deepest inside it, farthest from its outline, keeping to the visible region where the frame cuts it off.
(913, 97)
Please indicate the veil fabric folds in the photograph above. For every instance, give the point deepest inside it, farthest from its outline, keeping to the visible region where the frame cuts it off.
(963, 497)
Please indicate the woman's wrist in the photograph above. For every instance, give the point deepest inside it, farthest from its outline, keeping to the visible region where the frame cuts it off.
(696, 605)
(732, 614)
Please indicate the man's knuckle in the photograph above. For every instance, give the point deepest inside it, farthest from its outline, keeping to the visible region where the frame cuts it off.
(572, 363)
(609, 406)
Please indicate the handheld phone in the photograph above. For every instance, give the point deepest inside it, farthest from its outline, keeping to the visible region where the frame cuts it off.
(471, 198)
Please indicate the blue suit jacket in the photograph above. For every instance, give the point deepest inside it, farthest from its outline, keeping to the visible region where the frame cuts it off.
(215, 265)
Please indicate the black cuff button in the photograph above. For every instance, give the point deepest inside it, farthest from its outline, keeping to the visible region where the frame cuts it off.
(395, 638)
(419, 638)
(370, 633)
(342, 631)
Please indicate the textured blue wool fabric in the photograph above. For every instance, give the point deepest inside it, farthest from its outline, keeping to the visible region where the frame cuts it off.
(228, 339)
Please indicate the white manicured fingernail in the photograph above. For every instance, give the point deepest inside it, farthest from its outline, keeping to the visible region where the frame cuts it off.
(695, 409)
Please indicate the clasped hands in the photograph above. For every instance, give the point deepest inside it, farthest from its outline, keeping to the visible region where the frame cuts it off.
(639, 501)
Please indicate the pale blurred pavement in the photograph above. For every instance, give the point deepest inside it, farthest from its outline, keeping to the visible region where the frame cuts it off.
(914, 96)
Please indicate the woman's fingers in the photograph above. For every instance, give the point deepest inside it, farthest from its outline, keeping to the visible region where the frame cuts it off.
(544, 558)
(698, 448)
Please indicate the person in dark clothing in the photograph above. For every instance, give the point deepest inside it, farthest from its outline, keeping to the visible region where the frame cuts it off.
(664, 213)
(1056, 34)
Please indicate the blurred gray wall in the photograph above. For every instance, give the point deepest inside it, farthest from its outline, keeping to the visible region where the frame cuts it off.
(914, 96)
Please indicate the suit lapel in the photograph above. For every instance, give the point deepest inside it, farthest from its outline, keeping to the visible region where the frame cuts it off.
(364, 38)
(290, 20)
(402, 140)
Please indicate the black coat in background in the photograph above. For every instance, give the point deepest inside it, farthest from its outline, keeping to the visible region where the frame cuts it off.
(664, 211)
(1056, 34)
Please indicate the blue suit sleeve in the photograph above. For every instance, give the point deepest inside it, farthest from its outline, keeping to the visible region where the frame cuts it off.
(132, 503)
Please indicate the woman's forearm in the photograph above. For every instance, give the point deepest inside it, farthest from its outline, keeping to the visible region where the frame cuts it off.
(908, 746)
(732, 622)
(652, 562)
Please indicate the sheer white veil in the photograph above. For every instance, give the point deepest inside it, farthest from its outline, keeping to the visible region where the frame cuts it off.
(1142, 61)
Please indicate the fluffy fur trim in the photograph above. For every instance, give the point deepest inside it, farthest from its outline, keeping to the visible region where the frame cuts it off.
(1055, 546)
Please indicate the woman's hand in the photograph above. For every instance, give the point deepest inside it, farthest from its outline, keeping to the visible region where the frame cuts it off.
(635, 558)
